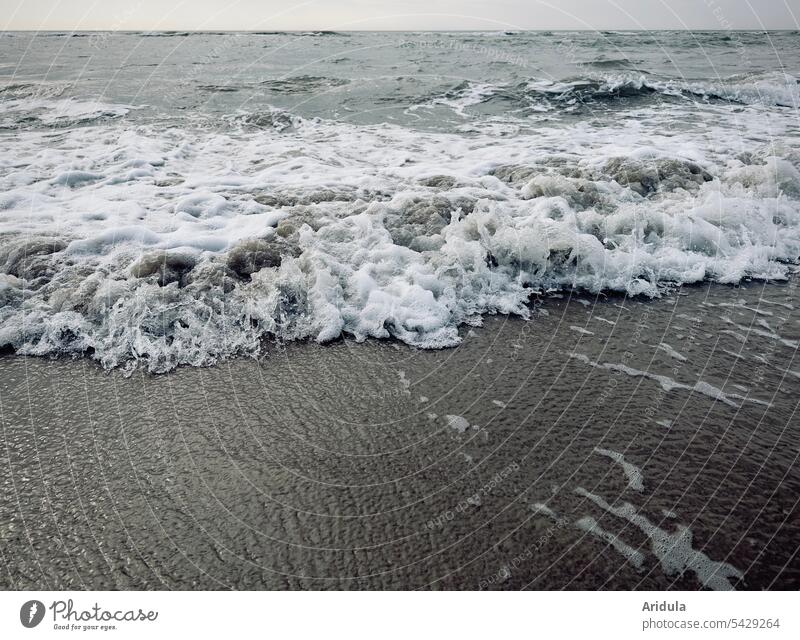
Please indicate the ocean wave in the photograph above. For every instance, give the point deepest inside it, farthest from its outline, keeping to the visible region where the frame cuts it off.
(19, 90)
(36, 110)
(317, 34)
(603, 62)
(771, 89)
(161, 248)
(164, 34)
(269, 118)
(222, 88)
(302, 84)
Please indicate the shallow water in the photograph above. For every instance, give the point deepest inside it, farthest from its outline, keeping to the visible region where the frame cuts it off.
(173, 199)
(595, 446)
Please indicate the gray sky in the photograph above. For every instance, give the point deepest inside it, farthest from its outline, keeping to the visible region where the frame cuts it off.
(398, 14)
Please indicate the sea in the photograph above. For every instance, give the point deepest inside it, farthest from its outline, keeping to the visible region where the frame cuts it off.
(464, 310)
(177, 199)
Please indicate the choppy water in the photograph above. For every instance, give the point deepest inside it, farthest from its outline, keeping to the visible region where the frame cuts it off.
(172, 199)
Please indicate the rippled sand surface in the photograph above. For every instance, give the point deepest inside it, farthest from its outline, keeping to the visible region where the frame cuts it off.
(607, 443)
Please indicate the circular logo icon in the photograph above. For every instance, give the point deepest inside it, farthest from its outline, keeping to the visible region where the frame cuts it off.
(31, 613)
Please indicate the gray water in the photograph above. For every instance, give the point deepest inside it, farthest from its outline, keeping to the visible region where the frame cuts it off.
(174, 199)
(371, 78)
(433, 310)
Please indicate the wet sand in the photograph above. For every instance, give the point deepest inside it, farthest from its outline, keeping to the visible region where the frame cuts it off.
(337, 466)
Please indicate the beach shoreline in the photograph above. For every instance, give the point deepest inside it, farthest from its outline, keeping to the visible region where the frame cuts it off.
(555, 453)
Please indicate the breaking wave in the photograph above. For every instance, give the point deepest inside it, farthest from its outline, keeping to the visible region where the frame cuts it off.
(773, 89)
(31, 107)
(163, 247)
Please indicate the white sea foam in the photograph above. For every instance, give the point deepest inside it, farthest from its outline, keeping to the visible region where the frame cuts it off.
(671, 352)
(631, 471)
(669, 384)
(539, 508)
(581, 330)
(674, 550)
(769, 333)
(56, 113)
(591, 526)
(458, 423)
(175, 246)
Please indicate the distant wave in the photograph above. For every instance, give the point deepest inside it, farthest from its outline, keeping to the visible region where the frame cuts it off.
(302, 34)
(611, 63)
(288, 85)
(37, 111)
(20, 90)
(317, 34)
(302, 84)
(164, 34)
(773, 89)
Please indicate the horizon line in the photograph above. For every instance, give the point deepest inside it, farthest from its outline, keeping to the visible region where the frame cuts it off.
(335, 31)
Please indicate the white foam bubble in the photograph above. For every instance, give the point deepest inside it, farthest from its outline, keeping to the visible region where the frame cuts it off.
(667, 383)
(458, 423)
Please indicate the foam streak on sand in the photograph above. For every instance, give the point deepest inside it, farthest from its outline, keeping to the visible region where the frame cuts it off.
(669, 384)
(631, 471)
(590, 525)
(674, 550)
(671, 352)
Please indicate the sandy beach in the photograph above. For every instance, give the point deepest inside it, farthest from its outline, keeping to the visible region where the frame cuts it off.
(607, 443)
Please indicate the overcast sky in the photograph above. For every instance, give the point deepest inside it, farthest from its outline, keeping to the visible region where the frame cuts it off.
(398, 14)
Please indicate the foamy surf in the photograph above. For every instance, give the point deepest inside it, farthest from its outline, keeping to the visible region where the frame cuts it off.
(228, 212)
(184, 247)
